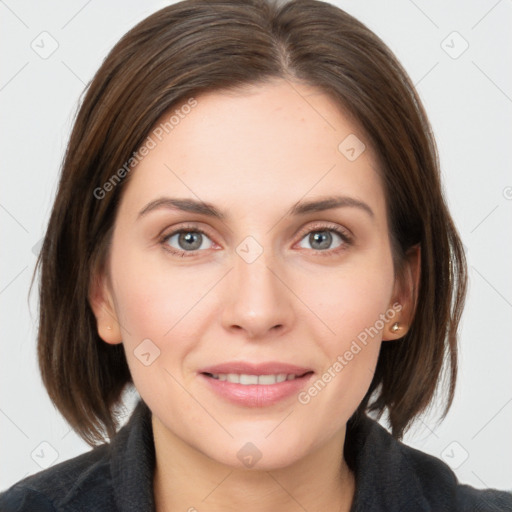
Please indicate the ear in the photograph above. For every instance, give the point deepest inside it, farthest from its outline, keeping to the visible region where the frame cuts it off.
(103, 307)
(405, 294)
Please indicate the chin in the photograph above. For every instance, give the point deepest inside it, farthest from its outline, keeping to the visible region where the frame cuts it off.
(258, 453)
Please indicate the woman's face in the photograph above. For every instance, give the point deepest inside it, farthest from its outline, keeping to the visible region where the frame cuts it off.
(273, 278)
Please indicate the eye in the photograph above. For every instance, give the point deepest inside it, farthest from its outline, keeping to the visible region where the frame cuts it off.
(325, 239)
(185, 241)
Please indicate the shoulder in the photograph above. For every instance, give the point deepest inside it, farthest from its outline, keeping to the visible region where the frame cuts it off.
(398, 477)
(439, 483)
(112, 476)
(56, 488)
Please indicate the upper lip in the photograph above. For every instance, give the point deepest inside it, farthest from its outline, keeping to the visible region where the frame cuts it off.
(266, 368)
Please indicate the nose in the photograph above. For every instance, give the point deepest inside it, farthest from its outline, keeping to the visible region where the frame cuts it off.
(258, 300)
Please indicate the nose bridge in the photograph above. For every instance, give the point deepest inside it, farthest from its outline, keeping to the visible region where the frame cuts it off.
(257, 301)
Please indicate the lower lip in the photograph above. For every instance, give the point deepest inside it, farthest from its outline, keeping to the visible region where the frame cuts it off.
(257, 395)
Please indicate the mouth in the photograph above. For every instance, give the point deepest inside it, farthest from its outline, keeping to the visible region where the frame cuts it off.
(255, 385)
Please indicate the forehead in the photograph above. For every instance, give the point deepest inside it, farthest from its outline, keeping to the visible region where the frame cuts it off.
(279, 140)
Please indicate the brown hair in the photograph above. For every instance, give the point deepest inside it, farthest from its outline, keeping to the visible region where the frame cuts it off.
(192, 47)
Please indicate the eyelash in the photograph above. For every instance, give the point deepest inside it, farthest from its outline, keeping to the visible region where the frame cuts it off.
(343, 234)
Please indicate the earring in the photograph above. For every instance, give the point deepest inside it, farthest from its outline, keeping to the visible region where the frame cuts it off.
(109, 327)
(394, 328)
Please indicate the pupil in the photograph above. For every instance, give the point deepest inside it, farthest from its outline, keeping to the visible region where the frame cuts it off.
(323, 238)
(190, 240)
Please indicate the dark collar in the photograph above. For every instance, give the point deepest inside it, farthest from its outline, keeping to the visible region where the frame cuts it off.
(133, 462)
(386, 471)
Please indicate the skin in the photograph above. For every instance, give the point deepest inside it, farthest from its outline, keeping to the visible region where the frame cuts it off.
(252, 154)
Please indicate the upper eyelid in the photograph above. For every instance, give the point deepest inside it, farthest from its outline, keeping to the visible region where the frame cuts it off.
(325, 225)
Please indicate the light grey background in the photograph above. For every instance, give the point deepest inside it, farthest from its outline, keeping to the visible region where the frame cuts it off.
(468, 97)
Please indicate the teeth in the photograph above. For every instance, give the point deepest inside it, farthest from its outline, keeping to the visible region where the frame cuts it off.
(246, 380)
(267, 379)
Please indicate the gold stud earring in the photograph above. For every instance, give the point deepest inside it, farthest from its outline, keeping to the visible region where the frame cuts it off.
(394, 328)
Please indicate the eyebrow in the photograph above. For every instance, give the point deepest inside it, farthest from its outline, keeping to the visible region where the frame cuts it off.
(299, 208)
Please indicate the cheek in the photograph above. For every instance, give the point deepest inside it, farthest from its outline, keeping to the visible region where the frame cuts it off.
(152, 296)
(351, 302)
(161, 311)
(152, 311)
(143, 307)
(352, 299)
(351, 305)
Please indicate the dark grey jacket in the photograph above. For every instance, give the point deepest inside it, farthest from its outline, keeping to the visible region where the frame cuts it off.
(390, 476)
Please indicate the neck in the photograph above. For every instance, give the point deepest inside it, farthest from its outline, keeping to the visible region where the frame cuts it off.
(188, 480)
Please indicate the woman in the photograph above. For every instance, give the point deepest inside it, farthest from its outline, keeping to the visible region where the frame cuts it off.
(250, 229)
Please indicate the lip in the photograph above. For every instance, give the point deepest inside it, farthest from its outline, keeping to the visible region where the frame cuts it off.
(266, 368)
(256, 395)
